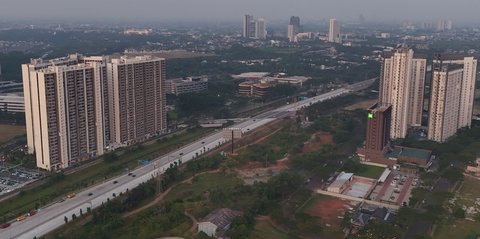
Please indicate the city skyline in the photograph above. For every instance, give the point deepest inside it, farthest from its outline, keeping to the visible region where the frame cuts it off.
(462, 11)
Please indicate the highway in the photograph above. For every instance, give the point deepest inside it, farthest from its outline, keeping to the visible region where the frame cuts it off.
(52, 216)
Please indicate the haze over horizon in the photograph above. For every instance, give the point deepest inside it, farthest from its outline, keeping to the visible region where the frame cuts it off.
(460, 11)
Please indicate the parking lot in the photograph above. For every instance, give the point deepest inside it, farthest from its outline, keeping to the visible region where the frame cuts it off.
(13, 178)
(396, 189)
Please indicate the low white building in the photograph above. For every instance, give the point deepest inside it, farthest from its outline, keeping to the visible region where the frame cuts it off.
(341, 183)
(217, 222)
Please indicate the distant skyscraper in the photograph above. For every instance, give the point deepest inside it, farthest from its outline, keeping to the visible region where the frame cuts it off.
(294, 28)
(260, 29)
(334, 32)
(254, 28)
(65, 117)
(402, 86)
(452, 94)
(137, 89)
(248, 26)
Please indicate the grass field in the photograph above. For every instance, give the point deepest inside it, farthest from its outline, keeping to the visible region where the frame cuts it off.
(369, 171)
(469, 192)
(10, 131)
(265, 230)
(460, 228)
(196, 195)
(91, 175)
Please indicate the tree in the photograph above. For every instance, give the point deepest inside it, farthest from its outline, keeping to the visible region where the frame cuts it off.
(459, 213)
(110, 157)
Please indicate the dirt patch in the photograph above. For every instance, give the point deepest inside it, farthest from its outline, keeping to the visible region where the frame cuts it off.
(361, 105)
(257, 172)
(10, 131)
(317, 142)
(329, 210)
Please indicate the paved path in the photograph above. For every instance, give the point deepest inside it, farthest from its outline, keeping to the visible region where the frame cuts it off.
(194, 221)
(386, 184)
(405, 189)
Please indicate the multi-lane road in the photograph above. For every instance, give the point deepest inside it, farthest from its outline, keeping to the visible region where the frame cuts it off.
(53, 215)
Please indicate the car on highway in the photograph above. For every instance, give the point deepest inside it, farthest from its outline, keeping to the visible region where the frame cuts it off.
(21, 218)
(4, 225)
(130, 174)
(90, 194)
(133, 175)
(115, 182)
(71, 195)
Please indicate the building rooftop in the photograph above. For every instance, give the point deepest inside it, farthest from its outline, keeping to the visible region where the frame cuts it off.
(398, 152)
(341, 179)
(377, 107)
(251, 75)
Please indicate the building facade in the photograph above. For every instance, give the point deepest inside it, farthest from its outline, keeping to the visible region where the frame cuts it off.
(12, 102)
(65, 120)
(451, 98)
(137, 90)
(334, 34)
(186, 85)
(402, 86)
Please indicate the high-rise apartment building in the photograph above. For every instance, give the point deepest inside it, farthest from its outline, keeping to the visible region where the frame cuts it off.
(248, 26)
(402, 86)
(77, 106)
(260, 29)
(137, 90)
(378, 127)
(65, 117)
(254, 28)
(334, 34)
(452, 95)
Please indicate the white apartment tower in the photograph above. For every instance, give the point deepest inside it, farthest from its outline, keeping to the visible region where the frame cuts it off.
(137, 92)
(334, 32)
(64, 108)
(402, 86)
(452, 96)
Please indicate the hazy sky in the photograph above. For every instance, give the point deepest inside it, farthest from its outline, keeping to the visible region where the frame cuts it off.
(152, 10)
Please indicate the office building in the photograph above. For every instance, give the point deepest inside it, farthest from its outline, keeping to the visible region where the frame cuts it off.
(137, 92)
(452, 95)
(334, 31)
(186, 85)
(12, 102)
(65, 117)
(402, 86)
